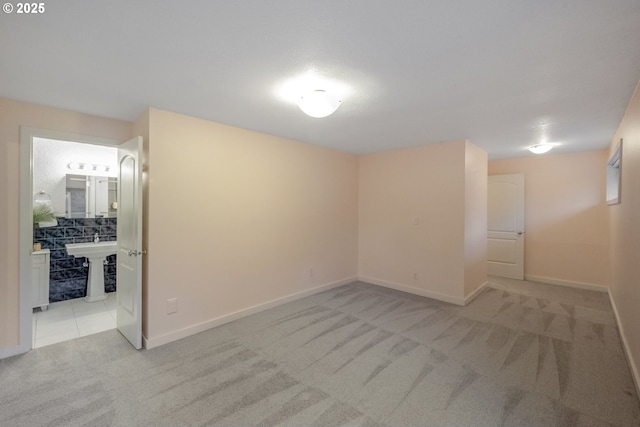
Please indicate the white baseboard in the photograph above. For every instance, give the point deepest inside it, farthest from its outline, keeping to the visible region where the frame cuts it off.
(635, 373)
(412, 290)
(14, 351)
(568, 283)
(625, 345)
(473, 295)
(201, 327)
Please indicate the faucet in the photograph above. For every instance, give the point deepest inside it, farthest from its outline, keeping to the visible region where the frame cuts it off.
(96, 238)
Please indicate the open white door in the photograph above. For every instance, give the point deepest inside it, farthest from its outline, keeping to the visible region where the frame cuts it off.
(505, 248)
(129, 259)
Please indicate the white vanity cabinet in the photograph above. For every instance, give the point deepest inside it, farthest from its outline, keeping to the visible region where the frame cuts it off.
(40, 278)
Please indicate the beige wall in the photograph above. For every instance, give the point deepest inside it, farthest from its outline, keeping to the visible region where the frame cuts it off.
(625, 235)
(566, 216)
(238, 218)
(475, 211)
(14, 114)
(242, 222)
(412, 219)
(235, 219)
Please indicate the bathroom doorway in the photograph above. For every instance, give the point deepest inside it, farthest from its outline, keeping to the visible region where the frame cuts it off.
(100, 158)
(75, 184)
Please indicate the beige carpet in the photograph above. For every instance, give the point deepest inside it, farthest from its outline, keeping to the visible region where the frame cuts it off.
(522, 354)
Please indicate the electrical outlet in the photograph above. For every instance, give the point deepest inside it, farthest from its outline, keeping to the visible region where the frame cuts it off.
(415, 276)
(172, 305)
(416, 220)
(311, 272)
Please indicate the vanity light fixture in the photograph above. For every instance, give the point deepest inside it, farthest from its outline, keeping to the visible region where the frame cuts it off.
(540, 148)
(75, 166)
(318, 103)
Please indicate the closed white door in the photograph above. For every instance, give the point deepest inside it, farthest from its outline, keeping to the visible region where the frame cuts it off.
(129, 259)
(505, 248)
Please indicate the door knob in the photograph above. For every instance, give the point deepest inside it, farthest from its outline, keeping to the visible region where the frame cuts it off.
(520, 233)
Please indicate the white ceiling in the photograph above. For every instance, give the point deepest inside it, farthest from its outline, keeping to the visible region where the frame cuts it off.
(501, 73)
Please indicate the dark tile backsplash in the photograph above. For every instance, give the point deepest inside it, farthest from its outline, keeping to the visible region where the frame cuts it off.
(68, 277)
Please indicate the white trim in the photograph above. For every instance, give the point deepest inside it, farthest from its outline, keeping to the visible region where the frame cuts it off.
(635, 374)
(68, 136)
(25, 221)
(26, 228)
(412, 290)
(201, 327)
(567, 283)
(473, 295)
(14, 351)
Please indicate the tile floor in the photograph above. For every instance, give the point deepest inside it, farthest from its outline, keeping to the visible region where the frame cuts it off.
(71, 319)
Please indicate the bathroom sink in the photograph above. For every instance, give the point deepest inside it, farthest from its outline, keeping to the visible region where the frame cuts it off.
(91, 249)
(97, 254)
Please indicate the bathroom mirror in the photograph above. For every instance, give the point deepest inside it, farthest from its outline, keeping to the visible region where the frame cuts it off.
(91, 196)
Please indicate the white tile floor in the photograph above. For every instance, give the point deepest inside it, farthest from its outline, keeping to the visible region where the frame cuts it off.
(71, 319)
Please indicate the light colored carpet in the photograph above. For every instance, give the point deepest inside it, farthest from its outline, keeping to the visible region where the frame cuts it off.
(522, 354)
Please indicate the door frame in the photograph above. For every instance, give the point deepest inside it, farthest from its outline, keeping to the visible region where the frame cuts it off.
(27, 134)
(520, 226)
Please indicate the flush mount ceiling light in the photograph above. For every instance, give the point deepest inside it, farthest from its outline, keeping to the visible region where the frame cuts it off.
(540, 148)
(318, 103)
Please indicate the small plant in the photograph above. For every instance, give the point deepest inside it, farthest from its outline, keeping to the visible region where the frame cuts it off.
(42, 213)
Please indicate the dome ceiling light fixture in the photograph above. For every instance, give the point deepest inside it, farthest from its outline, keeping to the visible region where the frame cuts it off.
(318, 103)
(541, 148)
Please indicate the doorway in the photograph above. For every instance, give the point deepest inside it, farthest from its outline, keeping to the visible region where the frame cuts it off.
(505, 226)
(100, 225)
(76, 185)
